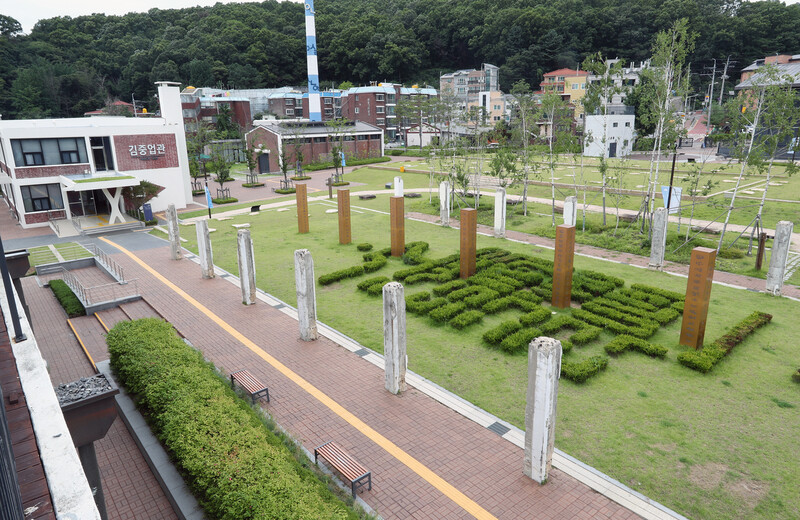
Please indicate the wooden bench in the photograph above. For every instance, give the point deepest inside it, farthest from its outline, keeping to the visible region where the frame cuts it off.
(252, 385)
(355, 473)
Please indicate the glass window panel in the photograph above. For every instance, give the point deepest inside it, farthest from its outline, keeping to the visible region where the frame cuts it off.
(52, 155)
(70, 144)
(54, 193)
(31, 145)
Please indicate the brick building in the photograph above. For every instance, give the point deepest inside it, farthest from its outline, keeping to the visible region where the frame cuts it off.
(198, 105)
(57, 169)
(272, 138)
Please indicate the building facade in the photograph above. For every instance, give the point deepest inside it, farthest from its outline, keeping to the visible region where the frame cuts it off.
(197, 105)
(315, 140)
(57, 169)
(466, 84)
(609, 135)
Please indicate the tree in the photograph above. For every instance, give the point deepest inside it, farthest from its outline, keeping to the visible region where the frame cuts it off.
(225, 127)
(221, 168)
(525, 112)
(196, 143)
(9, 26)
(345, 85)
(555, 114)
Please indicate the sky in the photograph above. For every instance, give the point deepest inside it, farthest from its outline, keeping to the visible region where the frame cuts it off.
(29, 12)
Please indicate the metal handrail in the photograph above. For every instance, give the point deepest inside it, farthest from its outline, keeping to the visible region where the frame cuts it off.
(104, 259)
(89, 296)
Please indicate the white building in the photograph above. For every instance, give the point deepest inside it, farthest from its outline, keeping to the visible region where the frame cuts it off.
(609, 135)
(57, 169)
(427, 136)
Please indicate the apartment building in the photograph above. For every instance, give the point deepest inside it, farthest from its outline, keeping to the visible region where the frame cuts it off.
(467, 84)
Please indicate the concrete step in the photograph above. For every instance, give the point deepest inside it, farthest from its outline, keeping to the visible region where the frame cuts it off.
(91, 335)
(110, 317)
(139, 309)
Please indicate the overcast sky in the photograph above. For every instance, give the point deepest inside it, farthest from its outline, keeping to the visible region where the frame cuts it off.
(30, 11)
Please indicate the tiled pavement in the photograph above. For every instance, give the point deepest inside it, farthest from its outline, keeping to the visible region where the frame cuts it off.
(381, 430)
(131, 491)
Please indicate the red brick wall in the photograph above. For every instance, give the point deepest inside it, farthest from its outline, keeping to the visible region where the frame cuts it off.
(152, 151)
(35, 172)
(38, 218)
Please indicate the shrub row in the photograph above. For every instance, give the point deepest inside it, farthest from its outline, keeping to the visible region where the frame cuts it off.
(678, 306)
(519, 340)
(447, 288)
(585, 335)
(460, 294)
(402, 274)
(364, 247)
(625, 299)
(414, 251)
(447, 312)
(624, 342)
(466, 318)
(350, 272)
(351, 161)
(629, 308)
(664, 316)
(535, 317)
(670, 295)
(477, 301)
(581, 371)
(499, 333)
(593, 285)
(72, 305)
(423, 307)
(421, 278)
(643, 331)
(704, 360)
(493, 284)
(366, 284)
(374, 261)
(616, 315)
(233, 463)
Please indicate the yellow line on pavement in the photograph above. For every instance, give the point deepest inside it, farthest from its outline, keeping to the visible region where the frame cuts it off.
(413, 464)
(101, 321)
(78, 337)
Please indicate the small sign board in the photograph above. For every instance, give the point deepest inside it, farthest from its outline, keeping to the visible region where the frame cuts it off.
(675, 201)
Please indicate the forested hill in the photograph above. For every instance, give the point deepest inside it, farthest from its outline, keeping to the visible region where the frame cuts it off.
(69, 65)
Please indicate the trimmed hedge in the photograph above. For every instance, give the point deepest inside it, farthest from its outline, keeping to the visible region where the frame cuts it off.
(351, 161)
(796, 376)
(236, 467)
(670, 295)
(413, 253)
(535, 317)
(366, 284)
(423, 307)
(350, 272)
(71, 304)
(374, 261)
(499, 333)
(705, 359)
(466, 291)
(447, 312)
(585, 335)
(519, 340)
(644, 331)
(227, 200)
(364, 247)
(498, 305)
(624, 342)
(285, 191)
(447, 288)
(583, 370)
(616, 315)
(628, 301)
(466, 319)
(420, 278)
(481, 299)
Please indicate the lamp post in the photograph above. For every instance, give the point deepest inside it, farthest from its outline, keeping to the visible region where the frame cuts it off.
(12, 303)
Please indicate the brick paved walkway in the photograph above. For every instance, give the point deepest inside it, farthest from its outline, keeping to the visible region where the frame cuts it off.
(131, 490)
(381, 430)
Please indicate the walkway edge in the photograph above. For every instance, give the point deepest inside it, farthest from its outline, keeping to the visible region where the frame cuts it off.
(177, 492)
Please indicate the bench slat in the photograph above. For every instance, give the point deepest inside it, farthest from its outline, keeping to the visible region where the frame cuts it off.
(249, 382)
(344, 464)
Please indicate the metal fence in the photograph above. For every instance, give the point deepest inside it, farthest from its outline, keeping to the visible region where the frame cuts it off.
(10, 499)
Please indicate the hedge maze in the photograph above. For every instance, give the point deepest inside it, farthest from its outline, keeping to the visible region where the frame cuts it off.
(505, 281)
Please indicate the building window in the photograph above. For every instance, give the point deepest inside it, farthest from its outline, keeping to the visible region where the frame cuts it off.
(380, 122)
(378, 97)
(374, 137)
(320, 139)
(379, 110)
(328, 112)
(349, 138)
(299, 103)
(328, 101)
(289, 102)
(42, 197)
(289, 111)
(390, 111)
(48, 152)
(356, 97)
(101, 153)
(627, 124)
(362, 137)
(615, 125)
(356, 110)
(390, 98)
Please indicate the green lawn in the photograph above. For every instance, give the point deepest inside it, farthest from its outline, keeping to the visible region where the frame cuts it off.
(721, 445)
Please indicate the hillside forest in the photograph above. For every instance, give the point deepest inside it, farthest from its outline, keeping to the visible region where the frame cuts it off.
(67, 66)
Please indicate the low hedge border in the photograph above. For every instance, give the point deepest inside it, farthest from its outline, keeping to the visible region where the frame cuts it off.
(373, 286)
(350, 272)
(447, 288)
(414, 251)
(236, 466)
(643, 332)
(228, 200)
(364, 247)
(625, 342)
(705, 359)
(519, 341)
(71, 304)
(796, 376)
(466, 319)
(499, 333)
(581, 371)
(670, 295)
(447, 312)
(285, 191)
(252, 184)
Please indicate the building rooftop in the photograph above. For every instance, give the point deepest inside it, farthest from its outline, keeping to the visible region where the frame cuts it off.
(566, 72)
(293, 127)
(758, 78)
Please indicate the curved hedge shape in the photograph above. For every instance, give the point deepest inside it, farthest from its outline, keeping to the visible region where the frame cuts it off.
(704, 360)
(583, 370)
(624, 342)
(364, 247)
(236, 467)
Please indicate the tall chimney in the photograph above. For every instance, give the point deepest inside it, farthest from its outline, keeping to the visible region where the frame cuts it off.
(314, 107)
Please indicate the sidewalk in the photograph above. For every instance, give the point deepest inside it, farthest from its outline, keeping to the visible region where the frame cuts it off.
(427, 460)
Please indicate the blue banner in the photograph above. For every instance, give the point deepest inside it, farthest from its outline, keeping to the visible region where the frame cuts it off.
(208, 199)
(341, 154)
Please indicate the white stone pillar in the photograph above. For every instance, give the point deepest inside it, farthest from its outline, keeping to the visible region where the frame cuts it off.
(570, 210)
(658, 244)
(544, 370)
(500, 212)
(174, 233)
(398, 186)
(306, 294)
(247, 266)
(444, 203)
(204, 248)
(779, 256)
(394, 337)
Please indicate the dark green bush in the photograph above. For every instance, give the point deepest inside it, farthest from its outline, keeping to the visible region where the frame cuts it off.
(350, 272)
(413, 253)
(402, 274)
(448, 274)
(644, 331)
(560, 322)
(616, 315)
(493, 284)
(363, 286)
(498, 305)
(585, 335)
(499, 333)
(460, 294)
(374, 261)
(364, 247)
(228, 200)
(420, 278)
(477, 301)
(233, 463)
(624, 342)
(466, 319)
(519, 340)
(536, 316)
(581, 371)
(678, 306)
(664, 316)
(447, 288)
(670, 295)
(622, 298)
(423, 307)
(796, 376)
(285, 191)
(376, 289)
(72, 305)
(447, 312)
(704, 360)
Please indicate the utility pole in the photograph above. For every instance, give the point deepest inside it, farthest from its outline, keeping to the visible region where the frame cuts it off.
(711, 96)
(724, 77)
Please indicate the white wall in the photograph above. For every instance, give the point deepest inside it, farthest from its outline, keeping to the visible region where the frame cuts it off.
(622, 135)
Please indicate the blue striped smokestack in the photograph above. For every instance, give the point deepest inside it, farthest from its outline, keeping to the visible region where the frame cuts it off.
(314, 106)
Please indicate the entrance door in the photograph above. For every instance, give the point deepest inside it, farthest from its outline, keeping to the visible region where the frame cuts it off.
(263, 163)
(612, 149)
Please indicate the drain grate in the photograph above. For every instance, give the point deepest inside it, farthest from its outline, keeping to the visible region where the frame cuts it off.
(499, 428)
